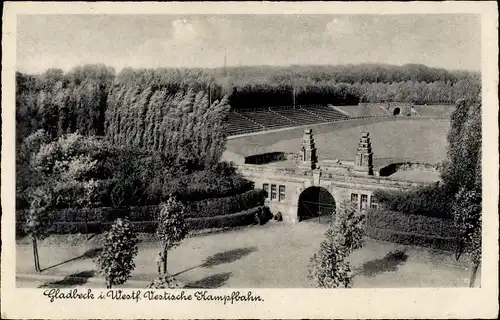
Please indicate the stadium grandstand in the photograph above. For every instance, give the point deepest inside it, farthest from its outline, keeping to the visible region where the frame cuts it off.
(262, 119)
(243, 121)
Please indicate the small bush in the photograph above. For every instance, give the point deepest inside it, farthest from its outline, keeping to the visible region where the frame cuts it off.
(165, 282)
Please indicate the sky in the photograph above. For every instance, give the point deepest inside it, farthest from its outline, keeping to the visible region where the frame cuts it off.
(149, 41)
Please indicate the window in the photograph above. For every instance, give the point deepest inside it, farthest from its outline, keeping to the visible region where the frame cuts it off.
(282, 193)
(374, 203)
(266, 190)
(354, 198)
(273, 191)
(364, 201)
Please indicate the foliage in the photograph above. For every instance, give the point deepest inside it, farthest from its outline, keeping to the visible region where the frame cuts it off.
(221, 180)
(467, 213)
(329, 267)
(26, 177)
(133, 105)
(431, 201)
(227, 205)
(38, 219)
(172, 119)
(412, 239)
(462, 167)
(116, 260)
(172, 228)
(418, 224)
(415, 230)
(63, 103)
(97, 220)
(165, 282)
(463, 173)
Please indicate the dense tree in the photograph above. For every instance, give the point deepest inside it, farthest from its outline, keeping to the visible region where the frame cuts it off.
(116, 261)
(464, 147)
(329, 267)
(173, 118)
(467, 213)
(172, 228)
(462, 174)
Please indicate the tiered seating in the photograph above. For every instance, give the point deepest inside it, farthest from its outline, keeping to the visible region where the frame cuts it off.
(267, 118)
(300, 116)
(240, 125)
(326, 113)
(247, 121)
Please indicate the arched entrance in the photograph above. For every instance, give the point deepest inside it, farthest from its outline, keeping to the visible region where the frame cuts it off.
(316, 203)
(396, 112)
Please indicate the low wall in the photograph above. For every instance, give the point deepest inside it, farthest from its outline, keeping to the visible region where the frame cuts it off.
(406, 166)
(264, 158)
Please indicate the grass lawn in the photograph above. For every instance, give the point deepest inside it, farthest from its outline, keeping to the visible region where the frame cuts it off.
(275, 255)
(393, 140)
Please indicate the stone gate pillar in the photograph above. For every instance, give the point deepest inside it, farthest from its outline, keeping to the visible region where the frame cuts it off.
(308, 155)
(364, 155)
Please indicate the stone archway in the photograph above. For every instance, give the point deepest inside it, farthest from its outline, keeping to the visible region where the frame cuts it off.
(316, 203)
(396, 112)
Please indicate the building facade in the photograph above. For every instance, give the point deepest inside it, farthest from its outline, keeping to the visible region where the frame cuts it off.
(305, 187)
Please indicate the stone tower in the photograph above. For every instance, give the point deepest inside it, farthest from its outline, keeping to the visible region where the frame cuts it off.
(364, 155)
(308, 158)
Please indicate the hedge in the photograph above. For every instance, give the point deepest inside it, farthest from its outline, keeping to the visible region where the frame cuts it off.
(441, 243)
(411, 229)
(227, 205)
(430, 200)
(396, 221)
(242, 218)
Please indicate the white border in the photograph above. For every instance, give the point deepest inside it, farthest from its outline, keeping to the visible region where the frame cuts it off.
(279, 303)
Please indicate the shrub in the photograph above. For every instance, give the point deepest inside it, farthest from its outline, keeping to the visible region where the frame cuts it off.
(221, 181)
(116, 261)
(165, 282)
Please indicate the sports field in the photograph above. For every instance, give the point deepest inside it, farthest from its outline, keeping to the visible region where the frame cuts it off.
(393, 140)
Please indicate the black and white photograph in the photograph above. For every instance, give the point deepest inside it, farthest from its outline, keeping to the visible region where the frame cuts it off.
(191, 152)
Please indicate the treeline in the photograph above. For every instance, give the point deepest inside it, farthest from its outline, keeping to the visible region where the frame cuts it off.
(90, 99)
(349, 84)
(371, 73)
(304, 92)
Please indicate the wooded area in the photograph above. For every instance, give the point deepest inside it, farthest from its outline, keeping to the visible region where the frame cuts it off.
(93, 99)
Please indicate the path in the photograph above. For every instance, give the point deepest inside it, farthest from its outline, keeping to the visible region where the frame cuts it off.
(272, 256)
